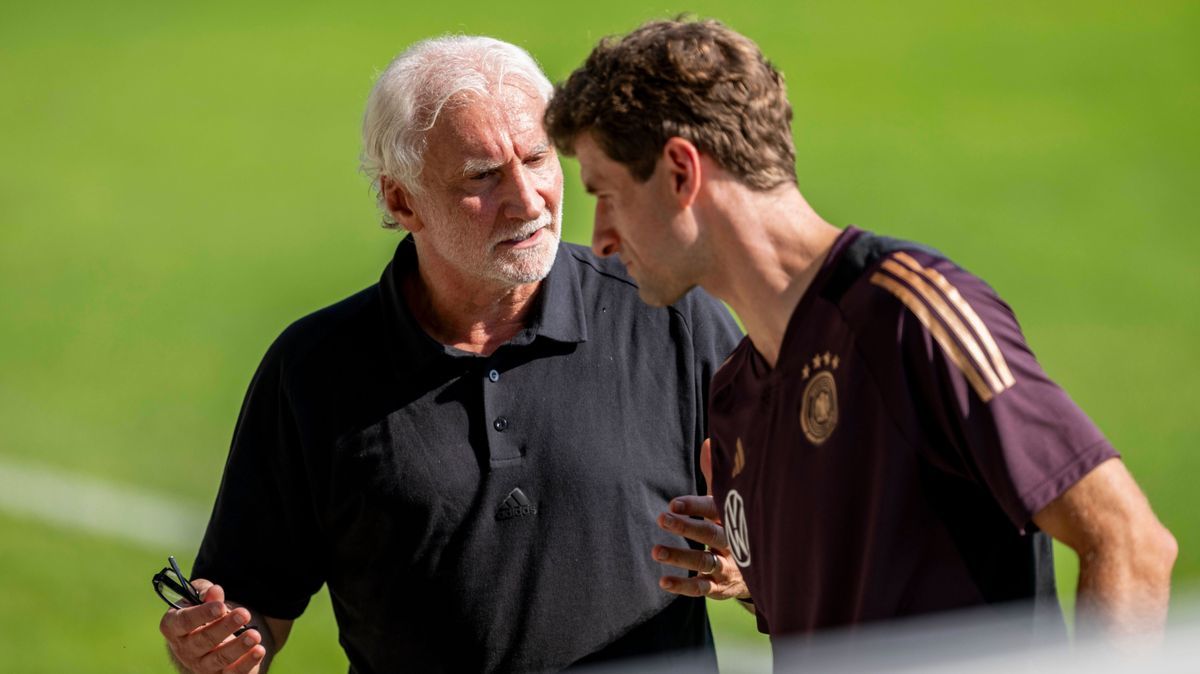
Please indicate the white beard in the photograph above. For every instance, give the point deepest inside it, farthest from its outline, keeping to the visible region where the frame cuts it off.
(510, 267)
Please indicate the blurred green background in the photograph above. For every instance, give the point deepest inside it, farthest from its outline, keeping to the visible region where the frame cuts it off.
(178, 182)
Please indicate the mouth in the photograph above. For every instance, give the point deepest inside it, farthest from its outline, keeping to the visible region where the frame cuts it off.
(524, 240)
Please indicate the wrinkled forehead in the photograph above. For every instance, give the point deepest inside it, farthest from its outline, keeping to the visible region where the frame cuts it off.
(473, 122)
(514, 96)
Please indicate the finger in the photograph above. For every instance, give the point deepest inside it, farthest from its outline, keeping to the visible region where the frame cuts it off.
(203, 586)
(700, 561)
(695, 506)
(249, 661)
(180, 622)
(701, 531)
(698, 586)
(230, 652)
(214, 634)
(706, 463)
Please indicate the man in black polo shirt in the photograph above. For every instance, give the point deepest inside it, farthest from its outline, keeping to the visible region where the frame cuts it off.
(470, 453)
(884, 442)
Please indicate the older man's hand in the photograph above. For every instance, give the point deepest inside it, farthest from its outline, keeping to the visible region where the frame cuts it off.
(201, 638)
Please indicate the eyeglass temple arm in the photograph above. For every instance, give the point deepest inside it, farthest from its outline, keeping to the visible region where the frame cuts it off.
(188, 589)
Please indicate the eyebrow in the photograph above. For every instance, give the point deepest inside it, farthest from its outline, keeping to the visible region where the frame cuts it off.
(477, 166)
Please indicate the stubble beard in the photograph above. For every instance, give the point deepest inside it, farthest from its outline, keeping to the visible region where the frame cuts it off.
(528, 265)
(503, 266)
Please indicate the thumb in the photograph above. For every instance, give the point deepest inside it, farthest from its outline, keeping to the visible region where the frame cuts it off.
(706, 463)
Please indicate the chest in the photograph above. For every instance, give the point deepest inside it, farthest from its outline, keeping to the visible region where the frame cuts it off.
(809, 467)
(508, 446)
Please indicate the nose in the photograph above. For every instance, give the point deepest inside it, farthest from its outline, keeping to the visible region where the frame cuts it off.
(526, 201)
(604, 238)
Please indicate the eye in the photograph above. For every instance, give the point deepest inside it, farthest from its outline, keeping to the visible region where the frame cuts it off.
(483, 175)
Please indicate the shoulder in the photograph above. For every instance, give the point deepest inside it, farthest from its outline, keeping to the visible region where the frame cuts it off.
(606, 278)
(605, 275)
(914, 300)
(863, 256)
(322, 334)
(876, 273)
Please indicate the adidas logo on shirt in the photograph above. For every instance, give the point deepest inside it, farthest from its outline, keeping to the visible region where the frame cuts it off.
(516, 504)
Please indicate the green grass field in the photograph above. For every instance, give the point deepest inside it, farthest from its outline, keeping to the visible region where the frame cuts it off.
(178, 182)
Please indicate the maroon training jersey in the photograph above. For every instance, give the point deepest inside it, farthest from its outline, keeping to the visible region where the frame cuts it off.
(891, 462)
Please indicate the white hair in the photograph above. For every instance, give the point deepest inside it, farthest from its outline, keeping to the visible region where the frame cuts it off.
(410, 94)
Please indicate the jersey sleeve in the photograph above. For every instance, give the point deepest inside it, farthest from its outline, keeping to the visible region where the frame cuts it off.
(261, 541)
(986, 410)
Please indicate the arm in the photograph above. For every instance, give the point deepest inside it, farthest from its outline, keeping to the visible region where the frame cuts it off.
(1125, 554)
(200, 638)
(264, 475)
(993, 416)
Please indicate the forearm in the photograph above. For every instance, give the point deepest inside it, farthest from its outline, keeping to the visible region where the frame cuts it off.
(1125, 553)
(1125, 592)
(274, 634)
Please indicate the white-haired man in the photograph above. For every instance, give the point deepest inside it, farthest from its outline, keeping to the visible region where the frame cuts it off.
(469, 453)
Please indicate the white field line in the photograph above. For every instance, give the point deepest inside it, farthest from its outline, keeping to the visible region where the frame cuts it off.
(733, 659)
(147, 519)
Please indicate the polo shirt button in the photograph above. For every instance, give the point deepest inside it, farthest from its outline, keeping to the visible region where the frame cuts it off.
(494, 375)
(500, 424)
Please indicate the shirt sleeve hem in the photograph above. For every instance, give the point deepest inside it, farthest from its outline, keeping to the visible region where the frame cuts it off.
(240, 594)
(1037, 498)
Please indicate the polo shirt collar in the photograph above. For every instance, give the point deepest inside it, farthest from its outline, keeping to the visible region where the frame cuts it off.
(557, 314)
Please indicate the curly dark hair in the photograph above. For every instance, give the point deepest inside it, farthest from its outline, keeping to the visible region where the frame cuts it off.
(698, 80)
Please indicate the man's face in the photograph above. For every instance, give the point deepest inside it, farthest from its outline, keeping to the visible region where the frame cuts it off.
(491, 207)
(639, 222)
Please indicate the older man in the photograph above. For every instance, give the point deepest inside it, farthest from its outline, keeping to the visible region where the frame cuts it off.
(469, 453)
(884, 442)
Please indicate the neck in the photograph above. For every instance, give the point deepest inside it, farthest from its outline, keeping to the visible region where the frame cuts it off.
(771, 243)
(468, 313)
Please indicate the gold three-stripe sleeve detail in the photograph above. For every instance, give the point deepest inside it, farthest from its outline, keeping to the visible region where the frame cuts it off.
(956, 298)
(935, 328)
(917, 283)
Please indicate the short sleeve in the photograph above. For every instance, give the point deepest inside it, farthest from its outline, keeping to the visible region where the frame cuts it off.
(988, 411)
(261, 541)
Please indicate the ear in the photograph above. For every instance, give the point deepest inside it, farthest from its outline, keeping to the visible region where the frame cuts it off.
(682, 162)
(398, 202)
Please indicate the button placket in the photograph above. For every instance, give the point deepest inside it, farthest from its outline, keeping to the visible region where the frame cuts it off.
(504, 442)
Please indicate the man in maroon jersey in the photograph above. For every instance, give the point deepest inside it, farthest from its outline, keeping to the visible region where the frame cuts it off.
(884, 442)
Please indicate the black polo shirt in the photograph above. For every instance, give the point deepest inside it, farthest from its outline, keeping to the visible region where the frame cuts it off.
(474, 513)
